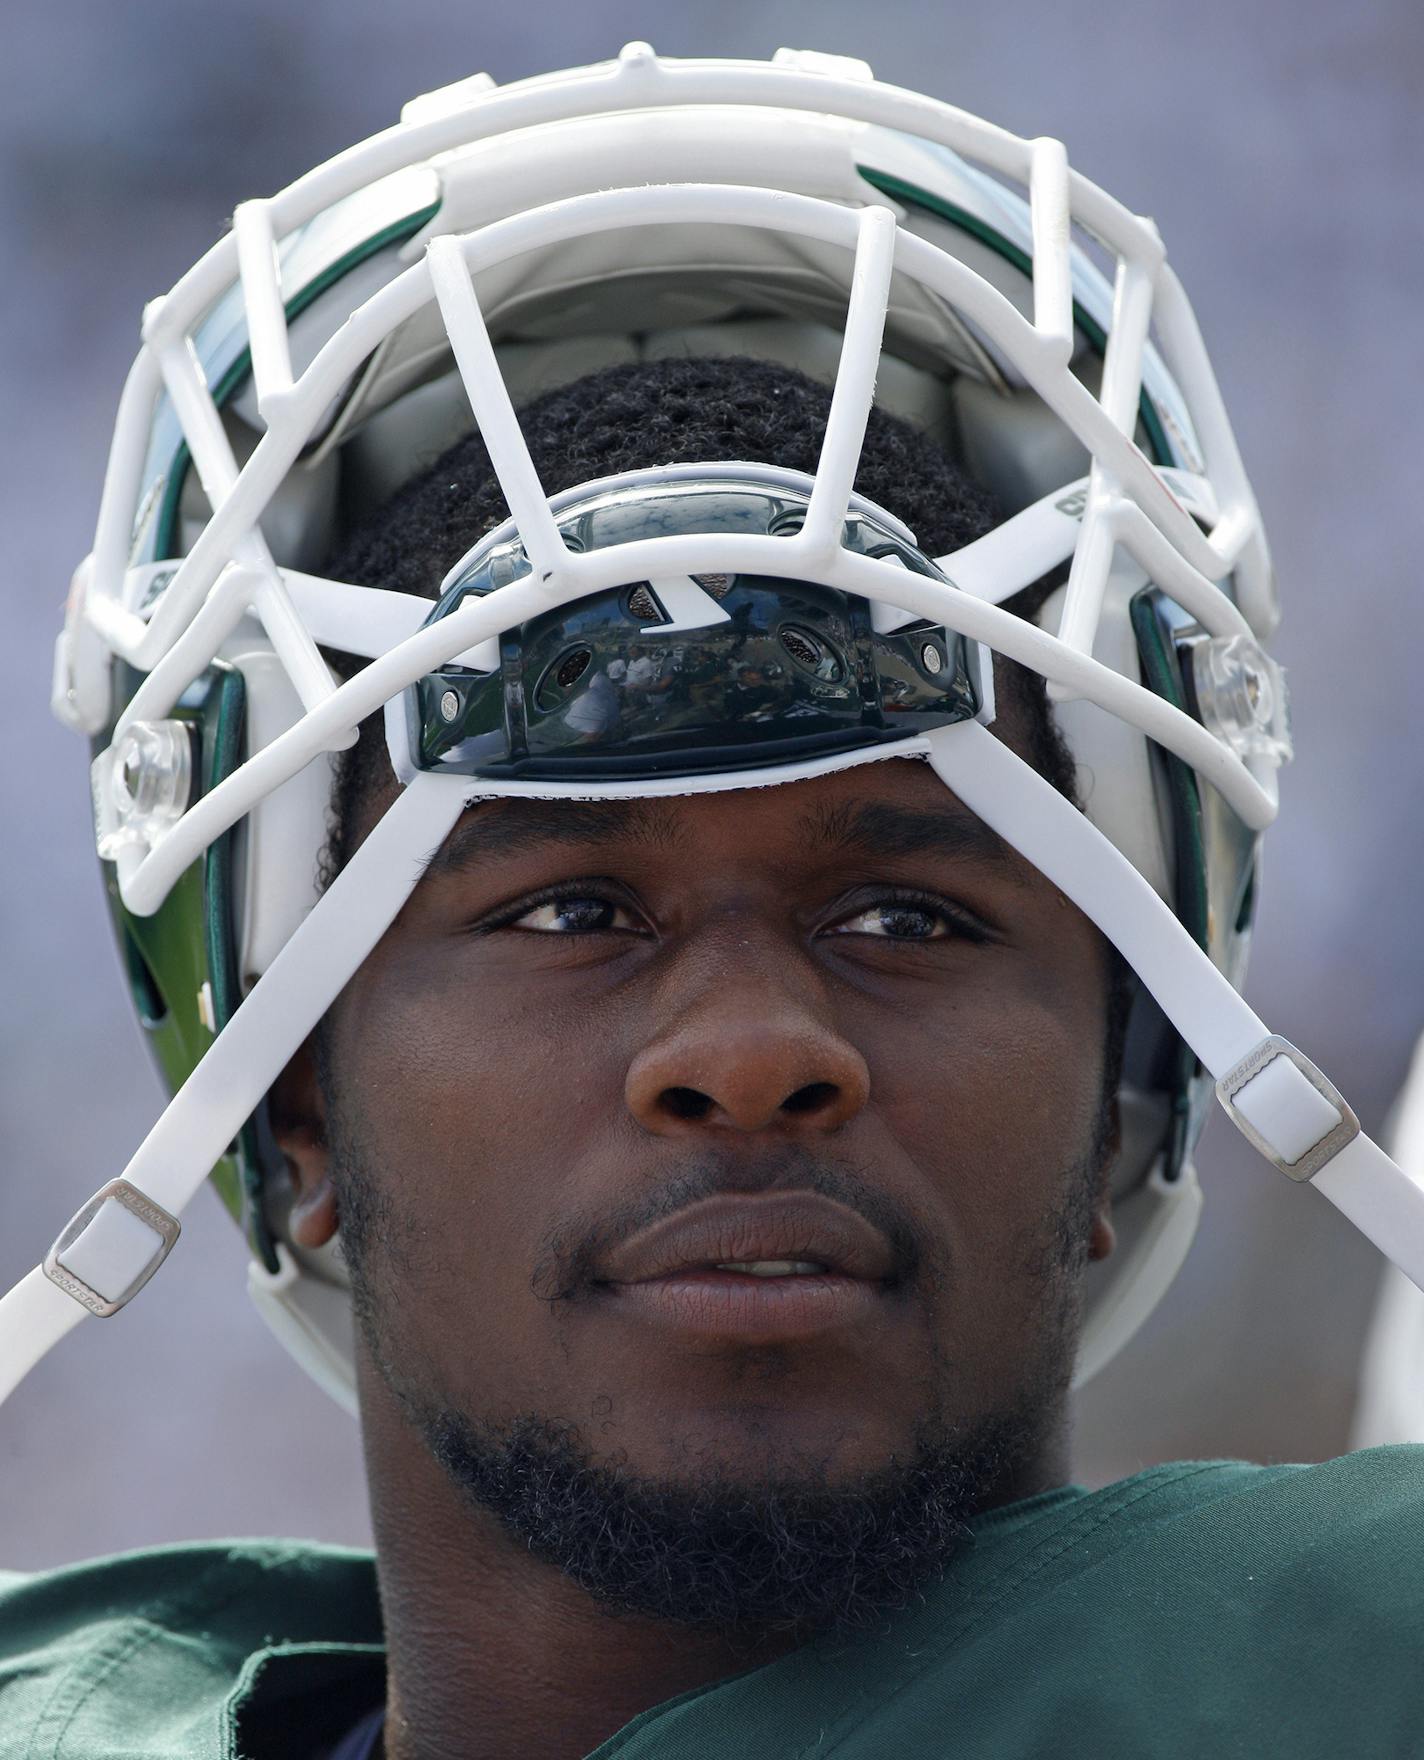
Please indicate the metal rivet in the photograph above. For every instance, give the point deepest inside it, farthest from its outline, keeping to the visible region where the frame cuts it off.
(931, 658)
(449, 706)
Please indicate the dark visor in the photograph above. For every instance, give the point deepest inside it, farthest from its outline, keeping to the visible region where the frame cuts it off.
(783, 671)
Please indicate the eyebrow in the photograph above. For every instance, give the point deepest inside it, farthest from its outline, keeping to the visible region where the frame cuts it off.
(482, 836)
(869, 828)
(882, 829)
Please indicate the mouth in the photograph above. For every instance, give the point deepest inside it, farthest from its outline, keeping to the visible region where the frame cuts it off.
(762, 1269)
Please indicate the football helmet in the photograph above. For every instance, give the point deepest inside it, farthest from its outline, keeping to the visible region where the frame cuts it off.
(501, 242)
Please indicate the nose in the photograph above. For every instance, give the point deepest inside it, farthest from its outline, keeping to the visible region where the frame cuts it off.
(741, 1057)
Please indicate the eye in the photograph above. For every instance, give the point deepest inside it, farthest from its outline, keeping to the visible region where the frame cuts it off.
(899, 922)
(911, 919)
(574, 916)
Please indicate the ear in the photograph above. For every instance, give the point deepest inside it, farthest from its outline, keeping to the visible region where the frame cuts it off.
(1102, 1238)
(297, 1110)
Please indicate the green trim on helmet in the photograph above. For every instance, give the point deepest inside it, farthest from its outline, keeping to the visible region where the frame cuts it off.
(890, 185)
(167, 965)
(1161, 676)
(1161, 673)
(222, 754)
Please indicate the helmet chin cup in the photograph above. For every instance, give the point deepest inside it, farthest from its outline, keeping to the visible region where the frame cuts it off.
(1154, 1226)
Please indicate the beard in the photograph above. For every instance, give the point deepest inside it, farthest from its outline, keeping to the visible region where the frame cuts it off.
(721, 1548)
(727, 1552)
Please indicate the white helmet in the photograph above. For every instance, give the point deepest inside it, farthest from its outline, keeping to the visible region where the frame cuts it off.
(498, 243)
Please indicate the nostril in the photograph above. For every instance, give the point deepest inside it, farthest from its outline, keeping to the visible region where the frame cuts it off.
(687, 1103)
(814, 1097)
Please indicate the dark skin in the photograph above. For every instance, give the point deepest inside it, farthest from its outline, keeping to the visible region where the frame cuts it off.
(574, 1007)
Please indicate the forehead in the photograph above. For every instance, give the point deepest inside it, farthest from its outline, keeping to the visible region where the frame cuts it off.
(893, 807)
(816, 807)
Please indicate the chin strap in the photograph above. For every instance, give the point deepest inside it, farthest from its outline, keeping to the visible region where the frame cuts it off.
(115, 1243)
(1272, 1092)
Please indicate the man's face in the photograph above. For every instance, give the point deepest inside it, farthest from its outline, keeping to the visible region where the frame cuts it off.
(832, 1033)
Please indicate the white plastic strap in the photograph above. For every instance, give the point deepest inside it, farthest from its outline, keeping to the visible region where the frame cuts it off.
(1063, 844)
(34, 1316)
(1383, 1202)
(1023, 549)
(292, 995)
(1381, 1199)
(358, 620)
(212, 1105)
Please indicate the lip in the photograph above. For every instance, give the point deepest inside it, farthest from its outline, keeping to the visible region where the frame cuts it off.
(753, 1310)
(668, 1273)
(736, 1226)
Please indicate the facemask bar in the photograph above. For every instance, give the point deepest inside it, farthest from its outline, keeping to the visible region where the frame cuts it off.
(637, 80)
(1153, 522)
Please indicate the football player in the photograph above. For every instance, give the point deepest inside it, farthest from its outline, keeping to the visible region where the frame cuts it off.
(676, 661)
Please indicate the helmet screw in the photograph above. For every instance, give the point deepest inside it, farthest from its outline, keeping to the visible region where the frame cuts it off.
(449, 706)
(1241, 696)
(149, 784)
(931, 658)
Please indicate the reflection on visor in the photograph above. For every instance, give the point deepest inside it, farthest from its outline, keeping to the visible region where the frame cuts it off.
(780, 671)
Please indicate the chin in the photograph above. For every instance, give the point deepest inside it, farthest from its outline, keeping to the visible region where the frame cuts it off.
(755, 1442)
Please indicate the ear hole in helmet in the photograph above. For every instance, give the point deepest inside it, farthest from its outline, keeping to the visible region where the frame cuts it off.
(561, 675)
(811, 652)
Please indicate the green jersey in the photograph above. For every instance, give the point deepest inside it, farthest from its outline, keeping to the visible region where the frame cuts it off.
(1198, 1609)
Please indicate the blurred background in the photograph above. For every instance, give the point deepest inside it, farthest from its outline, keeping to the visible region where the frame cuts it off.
(1280, 147)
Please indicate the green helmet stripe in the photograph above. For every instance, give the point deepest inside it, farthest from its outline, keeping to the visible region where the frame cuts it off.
(902, 191)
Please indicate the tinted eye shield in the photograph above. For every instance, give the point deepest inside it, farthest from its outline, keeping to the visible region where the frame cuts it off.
(694, 674)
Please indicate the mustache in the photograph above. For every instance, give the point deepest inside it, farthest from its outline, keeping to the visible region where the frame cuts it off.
(570, 1256)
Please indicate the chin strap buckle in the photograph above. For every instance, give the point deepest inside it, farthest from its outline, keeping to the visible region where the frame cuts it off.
(110, 1248)
(1288, 1110)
